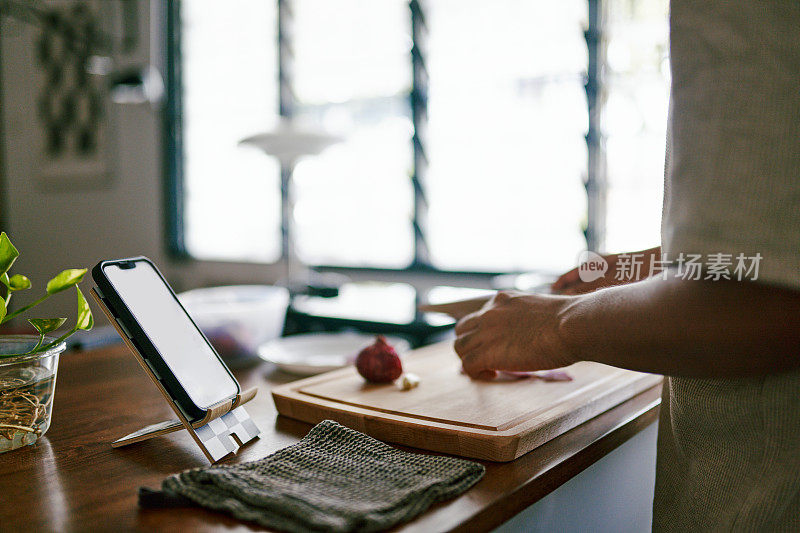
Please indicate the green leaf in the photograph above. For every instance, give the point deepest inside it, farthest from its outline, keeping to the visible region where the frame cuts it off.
(46, 325)
(18, 282)
(85, 318)
(7, 298)
(8, 254)
(65, 280)
(2, 309)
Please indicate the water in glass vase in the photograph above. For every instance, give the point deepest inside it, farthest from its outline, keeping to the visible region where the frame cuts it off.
(26, 403)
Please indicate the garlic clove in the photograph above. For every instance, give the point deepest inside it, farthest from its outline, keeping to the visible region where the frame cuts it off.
(408, 381)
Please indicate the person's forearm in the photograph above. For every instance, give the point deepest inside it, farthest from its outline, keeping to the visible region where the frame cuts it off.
(688, 328)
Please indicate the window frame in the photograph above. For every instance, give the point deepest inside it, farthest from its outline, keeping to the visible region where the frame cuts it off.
(595, 182)
(174, 197)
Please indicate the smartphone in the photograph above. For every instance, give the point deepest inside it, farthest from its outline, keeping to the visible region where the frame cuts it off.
(169, 341)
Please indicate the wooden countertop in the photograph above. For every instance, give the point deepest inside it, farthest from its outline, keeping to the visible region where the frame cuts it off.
(72, 480)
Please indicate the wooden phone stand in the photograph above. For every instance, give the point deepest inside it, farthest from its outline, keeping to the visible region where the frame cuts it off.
(225, 427)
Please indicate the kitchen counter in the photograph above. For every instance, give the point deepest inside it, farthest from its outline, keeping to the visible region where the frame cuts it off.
(72, 480)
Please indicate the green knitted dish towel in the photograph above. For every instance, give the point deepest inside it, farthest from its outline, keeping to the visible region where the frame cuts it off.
(335, 479)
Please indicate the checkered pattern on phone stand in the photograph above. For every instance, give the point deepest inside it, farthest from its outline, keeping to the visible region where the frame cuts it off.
(227, 433)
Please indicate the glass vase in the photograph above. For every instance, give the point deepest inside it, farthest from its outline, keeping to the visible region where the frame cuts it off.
(27, 386)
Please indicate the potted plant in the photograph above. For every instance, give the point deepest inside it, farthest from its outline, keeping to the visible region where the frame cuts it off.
(28, 363)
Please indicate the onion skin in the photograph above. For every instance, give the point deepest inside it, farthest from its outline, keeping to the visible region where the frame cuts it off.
(509, 375)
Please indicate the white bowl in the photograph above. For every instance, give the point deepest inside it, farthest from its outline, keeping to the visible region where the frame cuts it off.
(314, 353)
(238, 318)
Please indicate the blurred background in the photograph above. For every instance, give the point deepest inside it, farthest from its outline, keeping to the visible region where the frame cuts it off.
(468, 138)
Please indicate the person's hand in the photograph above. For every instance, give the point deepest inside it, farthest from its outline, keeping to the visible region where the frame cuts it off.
(513, 332)
(458, 309)
(571, 283)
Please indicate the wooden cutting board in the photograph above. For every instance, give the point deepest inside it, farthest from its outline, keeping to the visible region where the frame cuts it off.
(450, 413)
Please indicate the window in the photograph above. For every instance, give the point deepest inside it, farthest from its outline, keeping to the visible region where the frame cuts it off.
(354, 202)
(228, 65)
(465, 126)
(507, 117)
(635, 121)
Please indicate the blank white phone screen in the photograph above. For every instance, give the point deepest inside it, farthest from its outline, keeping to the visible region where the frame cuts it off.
(182, 347)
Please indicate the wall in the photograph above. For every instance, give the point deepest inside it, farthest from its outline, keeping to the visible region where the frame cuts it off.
(79, 224)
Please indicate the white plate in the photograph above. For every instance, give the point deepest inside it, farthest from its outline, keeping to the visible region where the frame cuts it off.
(315, 353)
